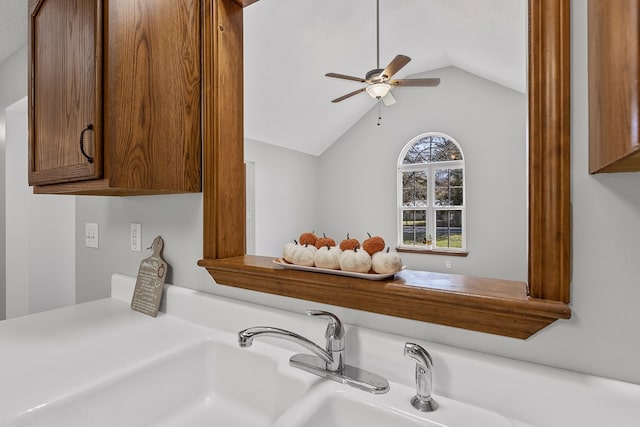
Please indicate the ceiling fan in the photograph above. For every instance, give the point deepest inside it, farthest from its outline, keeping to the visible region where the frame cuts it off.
(378, 80)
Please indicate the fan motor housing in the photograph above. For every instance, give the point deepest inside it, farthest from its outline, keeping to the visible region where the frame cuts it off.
(375, 76)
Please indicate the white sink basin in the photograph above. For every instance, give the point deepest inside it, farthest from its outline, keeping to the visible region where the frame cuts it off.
(212, 383)
(336, 411)
(218, 383)
(339, 406)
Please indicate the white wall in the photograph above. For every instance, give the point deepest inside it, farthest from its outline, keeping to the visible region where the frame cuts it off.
(51, 256)
(13, 86)
(16, 213)
(37, 269)
(40, 232)
(285, 195)
(358, 185)
(177, 218)
(601, 338)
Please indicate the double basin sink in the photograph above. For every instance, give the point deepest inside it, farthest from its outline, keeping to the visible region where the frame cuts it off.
(216, 383)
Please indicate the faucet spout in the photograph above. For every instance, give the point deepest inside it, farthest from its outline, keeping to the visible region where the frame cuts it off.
(246, 336)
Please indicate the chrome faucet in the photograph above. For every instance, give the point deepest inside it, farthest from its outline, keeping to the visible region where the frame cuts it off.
(422, 401)
(333, 356)
(327, 363)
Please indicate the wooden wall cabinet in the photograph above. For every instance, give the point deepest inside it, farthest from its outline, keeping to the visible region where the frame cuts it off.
(614, 86)
(132, 70)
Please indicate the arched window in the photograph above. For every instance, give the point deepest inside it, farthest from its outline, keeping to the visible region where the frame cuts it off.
(431, 194)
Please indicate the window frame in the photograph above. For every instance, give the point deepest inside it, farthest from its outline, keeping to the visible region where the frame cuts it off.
(489, 305)
(430, 209)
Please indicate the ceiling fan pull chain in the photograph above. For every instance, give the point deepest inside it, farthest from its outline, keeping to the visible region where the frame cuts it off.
(379, 113)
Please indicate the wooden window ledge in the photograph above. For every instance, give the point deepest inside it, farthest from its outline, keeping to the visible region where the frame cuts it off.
(436, 251)
(494, 306)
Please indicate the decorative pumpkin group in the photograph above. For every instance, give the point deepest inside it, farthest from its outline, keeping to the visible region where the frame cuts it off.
(323, 252)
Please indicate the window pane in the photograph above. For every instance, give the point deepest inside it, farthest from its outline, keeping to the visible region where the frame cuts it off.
(442, 197)
(442, 177)
(448, 187)
(432, 149)
(449, 229)
(452, 152)
(414, 189)
(455, 177)
(419, 152)
(455, 196)
(414, 227)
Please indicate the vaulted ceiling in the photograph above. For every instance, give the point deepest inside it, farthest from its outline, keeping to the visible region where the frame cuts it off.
(291, 44)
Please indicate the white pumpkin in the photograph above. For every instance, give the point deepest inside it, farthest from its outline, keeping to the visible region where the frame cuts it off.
(288, 250)
(304, 255)
(355, 260)
(385, 262)
(328, 257)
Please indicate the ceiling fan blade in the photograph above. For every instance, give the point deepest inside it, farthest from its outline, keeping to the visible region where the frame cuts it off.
(349, 95)
(388, 100)
(342, 76)
(394, 66)
(415, 82)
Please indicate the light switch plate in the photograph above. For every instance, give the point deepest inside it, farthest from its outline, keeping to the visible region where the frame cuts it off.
(135, 236)
(91, 235)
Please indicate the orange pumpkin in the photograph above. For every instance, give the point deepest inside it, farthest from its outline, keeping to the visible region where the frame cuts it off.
(324, 241)
(373, 244)
(349, 243)
(308, 239)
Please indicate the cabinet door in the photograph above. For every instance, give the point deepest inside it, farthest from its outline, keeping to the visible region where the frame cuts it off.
(64, 91)
(152, 94)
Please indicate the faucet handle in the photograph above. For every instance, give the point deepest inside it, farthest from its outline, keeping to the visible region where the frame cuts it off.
(335, 330)
(335, 339)
(422, 401)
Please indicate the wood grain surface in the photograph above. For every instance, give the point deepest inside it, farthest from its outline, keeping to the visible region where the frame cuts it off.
(614, 86)
(499, 307)
(223, 143)
(153, 94)
(63, 91)
(549, 150)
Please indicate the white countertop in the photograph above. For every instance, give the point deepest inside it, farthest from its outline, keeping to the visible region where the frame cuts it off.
(49, 355)
(54, 353)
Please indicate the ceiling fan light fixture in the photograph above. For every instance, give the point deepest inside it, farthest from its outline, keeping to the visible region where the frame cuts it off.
(378, 90)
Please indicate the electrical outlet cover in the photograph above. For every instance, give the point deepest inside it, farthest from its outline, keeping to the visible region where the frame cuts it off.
(135, 236)
(91, 235)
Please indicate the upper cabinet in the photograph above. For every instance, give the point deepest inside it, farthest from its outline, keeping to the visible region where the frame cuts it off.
(115, 96)
(614, 86)
(65, 90)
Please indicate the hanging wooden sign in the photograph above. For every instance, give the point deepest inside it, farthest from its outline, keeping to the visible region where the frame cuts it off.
(147, 294)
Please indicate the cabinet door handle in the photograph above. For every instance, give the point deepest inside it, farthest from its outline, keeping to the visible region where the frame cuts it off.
(89, 127)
